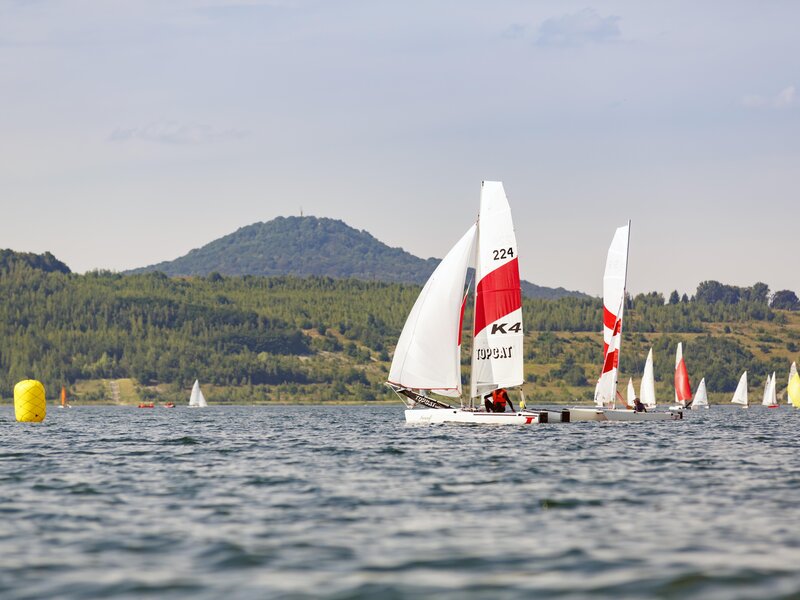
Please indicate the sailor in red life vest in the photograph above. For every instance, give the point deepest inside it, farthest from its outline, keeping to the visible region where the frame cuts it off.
(498, 402)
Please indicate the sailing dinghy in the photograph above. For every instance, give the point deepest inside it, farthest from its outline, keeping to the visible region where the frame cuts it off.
(793, 389)
(770, 392)
(197, 400)
(700, 396)
(427, 358)
(606, 395)
(683, 388)
(740, 395)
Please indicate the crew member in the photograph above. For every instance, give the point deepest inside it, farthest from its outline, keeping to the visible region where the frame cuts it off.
(497, 401)
(638, 406)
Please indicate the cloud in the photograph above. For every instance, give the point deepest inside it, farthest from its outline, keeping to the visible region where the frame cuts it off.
(577, 29)
(786, 98)
(175, 133)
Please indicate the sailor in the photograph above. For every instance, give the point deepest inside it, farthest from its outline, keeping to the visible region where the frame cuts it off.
(638, 406)
(498, 402)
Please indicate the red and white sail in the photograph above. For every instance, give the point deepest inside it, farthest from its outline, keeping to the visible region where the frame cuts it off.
(683, 388)
(613, 304)
(428, 353)
(497, 342)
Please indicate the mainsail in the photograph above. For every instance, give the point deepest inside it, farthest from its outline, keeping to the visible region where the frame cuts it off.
(197, 399)
(614, 281)
(631, 393)
(428, 353)
(770, 392)
(701, 396)
(647, 389)
(683, 389)
(497, 343)
(740, 395)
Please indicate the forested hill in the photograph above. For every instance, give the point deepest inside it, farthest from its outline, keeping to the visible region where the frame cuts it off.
(311, 246)
(43, 262)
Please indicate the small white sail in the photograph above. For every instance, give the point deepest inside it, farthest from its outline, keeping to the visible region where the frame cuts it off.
(740, 395)
(767, 400)
(197, 400)
(614, 280)
(631, 393)
(647, 389)
(700, 396)
(428, 355)
(497, 330)
(773, 391)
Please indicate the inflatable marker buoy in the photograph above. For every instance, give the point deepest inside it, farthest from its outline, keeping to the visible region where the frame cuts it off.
(29, 402)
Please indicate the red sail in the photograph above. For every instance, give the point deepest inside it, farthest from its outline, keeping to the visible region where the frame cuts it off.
(683, 389)
(498, 294)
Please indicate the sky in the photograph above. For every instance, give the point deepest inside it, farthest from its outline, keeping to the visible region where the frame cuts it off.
(132, 132)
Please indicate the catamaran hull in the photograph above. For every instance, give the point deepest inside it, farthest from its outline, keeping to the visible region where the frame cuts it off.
(598, 414)
(435, 416)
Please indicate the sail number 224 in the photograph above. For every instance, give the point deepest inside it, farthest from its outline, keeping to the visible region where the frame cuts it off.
(503, 253)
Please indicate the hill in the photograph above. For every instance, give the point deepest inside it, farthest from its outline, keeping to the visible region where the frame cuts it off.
(311, 246)
(43, 262)
(319, 339)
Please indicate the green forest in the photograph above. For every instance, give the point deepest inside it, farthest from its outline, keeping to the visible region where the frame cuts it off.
(318, 339)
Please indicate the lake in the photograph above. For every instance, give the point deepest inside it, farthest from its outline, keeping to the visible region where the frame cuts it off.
(348, 502)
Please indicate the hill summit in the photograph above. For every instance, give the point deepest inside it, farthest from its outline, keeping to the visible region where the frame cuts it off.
(306, 246)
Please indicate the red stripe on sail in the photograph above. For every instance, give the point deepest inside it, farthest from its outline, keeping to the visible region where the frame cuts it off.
(610, 321)
(611, 360)
(682, 386)
(461, 318)
(498, 294)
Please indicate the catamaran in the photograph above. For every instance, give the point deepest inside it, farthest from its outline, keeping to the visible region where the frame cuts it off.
(427, 358)
(793, 388)
(197, 400)
(740, 395)
(606, 395)
(700, 396)
(683, 388)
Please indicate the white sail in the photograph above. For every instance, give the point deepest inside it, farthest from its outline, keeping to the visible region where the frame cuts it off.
(647, 389)
(678, 359)
(790, 399)
(767, 400)
(631, 393)
(497, 342)
(740, 395)
(773, 391)
(614, 280)
(428, 354)
(197, 400)
(700, 396)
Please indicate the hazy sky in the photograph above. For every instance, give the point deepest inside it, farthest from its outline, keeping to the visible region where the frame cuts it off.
(132, 132)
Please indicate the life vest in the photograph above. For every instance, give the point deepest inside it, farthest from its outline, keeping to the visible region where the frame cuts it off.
(499, 398)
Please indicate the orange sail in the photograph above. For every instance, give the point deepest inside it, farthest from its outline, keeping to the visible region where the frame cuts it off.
(63, 396)
(683, 389)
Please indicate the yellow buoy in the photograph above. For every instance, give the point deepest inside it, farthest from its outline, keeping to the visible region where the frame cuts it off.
(29, 402)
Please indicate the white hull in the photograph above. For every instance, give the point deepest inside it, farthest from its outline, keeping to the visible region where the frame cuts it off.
(607, 414)
(435, 416)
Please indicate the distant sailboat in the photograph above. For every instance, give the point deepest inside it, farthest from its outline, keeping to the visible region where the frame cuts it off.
(793, 389)
(64, 398)
(197, 400)
(740, 395)
(647, 389)
(770, 393)
(683, 388)
(700, 396)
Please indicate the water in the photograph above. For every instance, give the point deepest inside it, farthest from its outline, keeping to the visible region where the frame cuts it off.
(349, 502)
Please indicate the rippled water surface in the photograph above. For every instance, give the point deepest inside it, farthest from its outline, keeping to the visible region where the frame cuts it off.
(349, 502)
